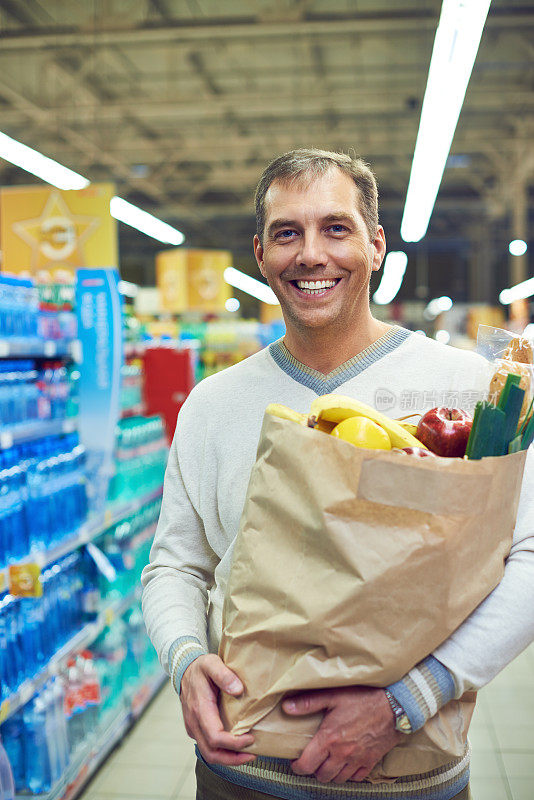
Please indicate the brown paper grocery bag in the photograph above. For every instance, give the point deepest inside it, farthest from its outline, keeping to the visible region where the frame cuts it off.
(350, 566)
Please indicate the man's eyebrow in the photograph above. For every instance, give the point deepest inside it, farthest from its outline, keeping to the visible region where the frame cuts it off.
(339, 216)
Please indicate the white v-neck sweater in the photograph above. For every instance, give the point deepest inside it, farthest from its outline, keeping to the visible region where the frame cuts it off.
(207, 475)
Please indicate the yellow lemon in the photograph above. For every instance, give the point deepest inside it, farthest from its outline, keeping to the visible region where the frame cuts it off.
(363, 432)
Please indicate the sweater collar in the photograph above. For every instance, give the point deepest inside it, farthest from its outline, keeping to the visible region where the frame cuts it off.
(325, 384)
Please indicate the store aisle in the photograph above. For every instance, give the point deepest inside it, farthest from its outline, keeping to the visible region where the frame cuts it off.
(156, 760)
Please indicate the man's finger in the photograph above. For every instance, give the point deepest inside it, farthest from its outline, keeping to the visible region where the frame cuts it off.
(212, 728)
(329, 769)
(346, 774)
(360, 774)
(310, 759)
(306, 703)
(222, 756)
(223, 677)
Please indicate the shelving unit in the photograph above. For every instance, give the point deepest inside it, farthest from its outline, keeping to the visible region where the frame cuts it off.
(130, 705)
(109, 734)
(36, 430)
(91, 530)
(36, 348)
(80, 641)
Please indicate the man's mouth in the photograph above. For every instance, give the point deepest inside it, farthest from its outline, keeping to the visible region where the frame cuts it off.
(315, 287)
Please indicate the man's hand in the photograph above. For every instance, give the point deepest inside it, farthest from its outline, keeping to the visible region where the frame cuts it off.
(358, 729)
(201, 683)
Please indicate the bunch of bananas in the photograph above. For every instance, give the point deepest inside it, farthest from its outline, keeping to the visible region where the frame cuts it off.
(352, 421)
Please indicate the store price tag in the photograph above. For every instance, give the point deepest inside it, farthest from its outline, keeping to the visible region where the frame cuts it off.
(25, 580)
(3, 580)
(109, 616)
(4, 710)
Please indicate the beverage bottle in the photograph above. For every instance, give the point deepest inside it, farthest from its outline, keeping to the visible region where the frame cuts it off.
(51, 735)
(38, 776)
(136, 645)
(12, 732)
(92, 690)
(14, 648)
(58, 694)
(6, 775)
(74, 707)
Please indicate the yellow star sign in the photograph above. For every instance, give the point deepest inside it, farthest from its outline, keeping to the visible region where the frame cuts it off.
(46, 228)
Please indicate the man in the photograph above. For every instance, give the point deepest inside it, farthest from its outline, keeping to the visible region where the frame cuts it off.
(318, 241)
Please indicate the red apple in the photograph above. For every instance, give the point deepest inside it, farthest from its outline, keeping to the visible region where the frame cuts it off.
(420, 452)
(445, 431)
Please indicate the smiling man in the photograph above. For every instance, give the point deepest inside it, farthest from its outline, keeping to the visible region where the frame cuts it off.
(318, 241)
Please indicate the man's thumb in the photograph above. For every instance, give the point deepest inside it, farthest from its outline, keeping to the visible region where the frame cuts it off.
(224, 678)
(305, 703)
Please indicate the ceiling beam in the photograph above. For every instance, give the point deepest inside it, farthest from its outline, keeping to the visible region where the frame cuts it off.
(253, 105)
(174, 30)
(177, 31)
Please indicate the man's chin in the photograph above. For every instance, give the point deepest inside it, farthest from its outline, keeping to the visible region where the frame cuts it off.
(312, 322)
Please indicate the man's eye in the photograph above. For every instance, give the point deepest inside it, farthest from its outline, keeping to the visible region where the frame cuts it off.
(338, 228)
(287, 234)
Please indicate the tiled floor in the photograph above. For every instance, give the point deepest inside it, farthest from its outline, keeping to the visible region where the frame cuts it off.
(156, 760)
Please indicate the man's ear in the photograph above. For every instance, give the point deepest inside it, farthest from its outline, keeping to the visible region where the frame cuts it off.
(258, 252)
(379, 248)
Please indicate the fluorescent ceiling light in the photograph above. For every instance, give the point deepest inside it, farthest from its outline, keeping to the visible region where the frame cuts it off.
(455, 48)
(250, 285)
(392, 275)
(62, 177)
(518, 292)
(45, 168)
(517, 247)
(437, 306)
(132, 215)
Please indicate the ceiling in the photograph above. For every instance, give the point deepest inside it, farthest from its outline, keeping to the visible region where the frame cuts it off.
(183, 103)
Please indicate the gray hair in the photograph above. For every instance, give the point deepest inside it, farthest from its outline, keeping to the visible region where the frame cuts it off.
(311, 163)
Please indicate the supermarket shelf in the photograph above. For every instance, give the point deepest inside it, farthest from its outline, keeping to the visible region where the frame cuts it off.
(80, 641)
(35, 348)
(139, 538)
(29, 431)
(87, 532)
(89, 758)
(119, 511)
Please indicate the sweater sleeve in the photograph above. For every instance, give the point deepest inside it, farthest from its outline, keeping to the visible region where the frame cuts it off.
(499, 629)
(177, 580)
(502, 626)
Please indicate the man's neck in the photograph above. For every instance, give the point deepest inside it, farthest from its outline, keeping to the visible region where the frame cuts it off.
(324, 351)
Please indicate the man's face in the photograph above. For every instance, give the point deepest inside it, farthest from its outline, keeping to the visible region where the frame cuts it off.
(317, 255)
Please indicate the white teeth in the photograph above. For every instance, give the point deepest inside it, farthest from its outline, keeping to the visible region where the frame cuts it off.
(312, 287)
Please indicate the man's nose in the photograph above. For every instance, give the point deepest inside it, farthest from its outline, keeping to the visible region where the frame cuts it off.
(311, 251)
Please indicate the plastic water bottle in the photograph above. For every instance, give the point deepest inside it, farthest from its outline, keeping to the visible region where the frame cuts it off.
(52, 742)
(12, 732)
(91, 688)
(38, 776)
(74, 707)
(58, 695)
(6, 776)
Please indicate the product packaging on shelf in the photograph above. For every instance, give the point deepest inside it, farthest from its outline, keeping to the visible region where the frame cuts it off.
(54, 600)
